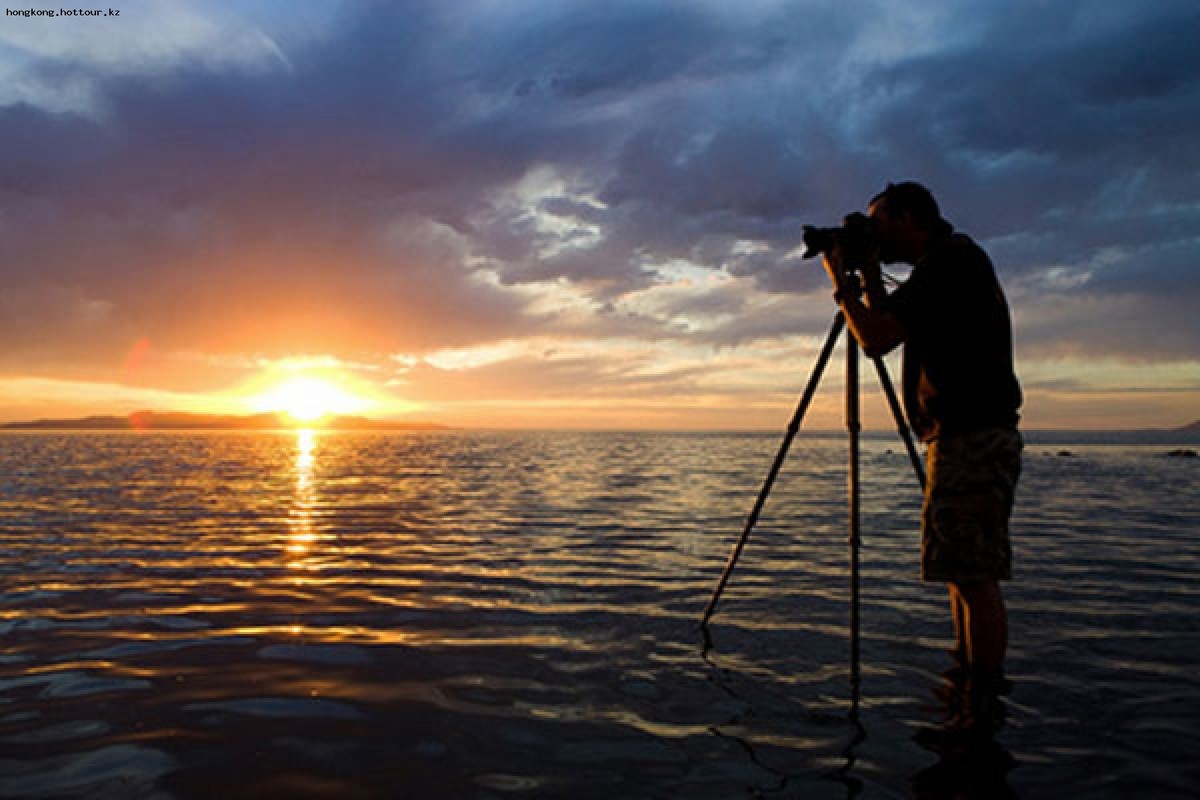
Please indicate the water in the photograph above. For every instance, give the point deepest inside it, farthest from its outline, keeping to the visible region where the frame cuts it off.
(488, 615)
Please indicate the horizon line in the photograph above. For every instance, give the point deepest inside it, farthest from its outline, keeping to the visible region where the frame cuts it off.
(352, 422)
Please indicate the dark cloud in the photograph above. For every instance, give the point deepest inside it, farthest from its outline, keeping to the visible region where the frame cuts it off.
(370, 190)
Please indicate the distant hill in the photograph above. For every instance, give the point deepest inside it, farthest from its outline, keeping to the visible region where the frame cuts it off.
(181, 421)
(1192, 428)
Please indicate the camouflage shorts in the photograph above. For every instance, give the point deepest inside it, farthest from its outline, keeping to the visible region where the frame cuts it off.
(968, 499)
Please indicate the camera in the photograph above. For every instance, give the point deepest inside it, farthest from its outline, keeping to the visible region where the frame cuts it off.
(856, 237)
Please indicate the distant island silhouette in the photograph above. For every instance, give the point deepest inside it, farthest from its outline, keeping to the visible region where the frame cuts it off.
(183, 421)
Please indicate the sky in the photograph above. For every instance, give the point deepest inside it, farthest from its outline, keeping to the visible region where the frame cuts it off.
(549, 213)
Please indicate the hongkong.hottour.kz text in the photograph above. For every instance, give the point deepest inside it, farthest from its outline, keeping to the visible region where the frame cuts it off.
(62, 12)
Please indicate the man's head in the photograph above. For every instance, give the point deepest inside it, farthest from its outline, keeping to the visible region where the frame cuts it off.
(906, 218)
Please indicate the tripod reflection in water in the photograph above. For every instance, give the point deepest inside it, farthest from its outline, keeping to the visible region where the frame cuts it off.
(845, 774)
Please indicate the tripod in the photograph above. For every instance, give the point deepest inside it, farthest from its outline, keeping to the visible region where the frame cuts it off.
(853, 427)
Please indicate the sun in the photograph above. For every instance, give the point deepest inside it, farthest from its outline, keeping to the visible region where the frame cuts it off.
(308, 399)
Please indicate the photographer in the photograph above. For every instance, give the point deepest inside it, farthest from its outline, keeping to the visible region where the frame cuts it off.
(960, 395)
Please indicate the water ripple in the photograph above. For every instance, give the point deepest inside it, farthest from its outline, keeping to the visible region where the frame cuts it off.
(474, 614)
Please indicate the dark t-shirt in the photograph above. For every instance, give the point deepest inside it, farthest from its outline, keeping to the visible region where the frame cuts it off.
(958, 355)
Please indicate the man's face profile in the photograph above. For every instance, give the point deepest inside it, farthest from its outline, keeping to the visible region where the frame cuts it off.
(886, 232)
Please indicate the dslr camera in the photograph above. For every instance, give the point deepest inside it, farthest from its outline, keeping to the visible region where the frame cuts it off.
(856, 239)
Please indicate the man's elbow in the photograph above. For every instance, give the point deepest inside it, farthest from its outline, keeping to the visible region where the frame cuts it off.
(876, 348)
(877, 334)
(882, 339)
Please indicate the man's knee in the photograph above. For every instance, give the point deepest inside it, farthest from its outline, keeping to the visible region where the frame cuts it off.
(976, 593)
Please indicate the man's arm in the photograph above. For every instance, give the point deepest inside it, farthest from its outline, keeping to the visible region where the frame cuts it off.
(877, 330)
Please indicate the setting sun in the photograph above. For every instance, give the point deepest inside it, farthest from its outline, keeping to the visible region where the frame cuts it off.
(306, 398)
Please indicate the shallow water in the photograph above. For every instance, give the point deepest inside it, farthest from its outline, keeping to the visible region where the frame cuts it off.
(484, 615)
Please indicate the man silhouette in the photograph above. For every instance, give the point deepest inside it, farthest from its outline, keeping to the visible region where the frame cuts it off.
(961, 397)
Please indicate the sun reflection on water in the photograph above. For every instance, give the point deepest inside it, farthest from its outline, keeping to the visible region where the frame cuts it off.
(301, 518)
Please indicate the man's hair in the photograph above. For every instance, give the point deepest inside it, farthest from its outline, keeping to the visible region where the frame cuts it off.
(915, 200)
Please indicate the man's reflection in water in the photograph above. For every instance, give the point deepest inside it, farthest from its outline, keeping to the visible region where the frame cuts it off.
(971, 764)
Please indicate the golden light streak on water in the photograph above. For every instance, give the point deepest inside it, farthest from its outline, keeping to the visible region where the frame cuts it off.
(301, 519)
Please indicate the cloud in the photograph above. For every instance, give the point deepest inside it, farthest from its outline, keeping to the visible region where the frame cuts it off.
(60, 64)
(374, 178)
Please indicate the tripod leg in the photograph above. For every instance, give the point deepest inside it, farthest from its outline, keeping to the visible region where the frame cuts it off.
(853, 427)
(814, 380)
(901, 425)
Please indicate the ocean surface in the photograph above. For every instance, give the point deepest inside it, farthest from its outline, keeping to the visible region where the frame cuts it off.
(492, 615)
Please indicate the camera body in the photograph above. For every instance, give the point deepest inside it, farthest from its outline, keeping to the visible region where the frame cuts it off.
(855, 238)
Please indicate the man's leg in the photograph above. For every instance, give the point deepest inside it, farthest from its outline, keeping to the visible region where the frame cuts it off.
(958, 612)
(986, 623)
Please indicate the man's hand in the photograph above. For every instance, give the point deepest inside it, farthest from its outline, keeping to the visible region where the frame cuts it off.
(871, 272)
(876, 330)
(832, 259)
(846, 280)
